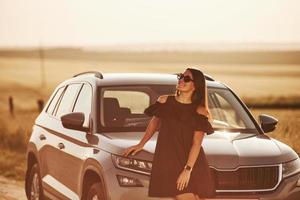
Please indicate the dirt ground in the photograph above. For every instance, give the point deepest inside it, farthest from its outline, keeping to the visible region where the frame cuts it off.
(11, 189)
(14, 190)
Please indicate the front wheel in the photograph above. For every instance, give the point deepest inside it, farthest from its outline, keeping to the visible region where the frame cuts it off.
(95, 192)
(35, 184)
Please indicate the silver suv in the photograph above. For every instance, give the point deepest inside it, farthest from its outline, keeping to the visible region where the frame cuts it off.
(75, 150)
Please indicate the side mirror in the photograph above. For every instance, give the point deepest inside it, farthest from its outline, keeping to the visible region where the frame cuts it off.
(268, 123)
(74, 121)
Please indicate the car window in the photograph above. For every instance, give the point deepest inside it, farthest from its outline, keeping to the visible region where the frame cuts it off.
(227, 112)
(128, 99)
(65, 105)
(54, 100)
(224, 112)
(84, 102)
(121, 108)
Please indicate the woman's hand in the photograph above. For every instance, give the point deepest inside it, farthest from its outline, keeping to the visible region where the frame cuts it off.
(134, 149)
(183, 179)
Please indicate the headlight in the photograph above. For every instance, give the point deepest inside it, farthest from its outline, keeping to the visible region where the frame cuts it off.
(290, 168)
(135, 165)
(126, 181)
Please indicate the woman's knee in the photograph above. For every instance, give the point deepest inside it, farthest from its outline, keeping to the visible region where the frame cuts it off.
(185, 196)
(198, 198)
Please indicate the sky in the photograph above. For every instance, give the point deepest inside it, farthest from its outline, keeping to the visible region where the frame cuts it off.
(92, 23)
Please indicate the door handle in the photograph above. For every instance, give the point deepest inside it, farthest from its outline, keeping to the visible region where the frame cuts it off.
(61, 145)
(42, 137)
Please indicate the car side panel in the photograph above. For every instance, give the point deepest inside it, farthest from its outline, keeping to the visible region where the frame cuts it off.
(55, 162)
(44, 150)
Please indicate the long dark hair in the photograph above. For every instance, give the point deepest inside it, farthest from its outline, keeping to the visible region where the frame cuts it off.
(199, 96)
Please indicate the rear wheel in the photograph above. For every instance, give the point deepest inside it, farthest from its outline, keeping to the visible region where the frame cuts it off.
(95, 192)
(35, 184)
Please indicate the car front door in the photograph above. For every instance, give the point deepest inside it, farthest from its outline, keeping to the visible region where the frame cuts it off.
(77, 144)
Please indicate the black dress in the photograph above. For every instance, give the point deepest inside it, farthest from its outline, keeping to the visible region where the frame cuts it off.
(174, 141)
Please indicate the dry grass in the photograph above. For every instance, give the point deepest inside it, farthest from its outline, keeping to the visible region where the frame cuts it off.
(12, 164)
(288, 126)
(279, 102)
(14, 135)
(15, 129)
(257, 80)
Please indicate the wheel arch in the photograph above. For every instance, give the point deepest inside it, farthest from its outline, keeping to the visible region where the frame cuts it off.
(92, 172)
(32, 158)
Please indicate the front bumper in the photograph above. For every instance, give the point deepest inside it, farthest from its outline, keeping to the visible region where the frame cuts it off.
(286, 190)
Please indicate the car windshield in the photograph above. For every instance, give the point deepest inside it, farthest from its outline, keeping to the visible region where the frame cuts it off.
(121, 108)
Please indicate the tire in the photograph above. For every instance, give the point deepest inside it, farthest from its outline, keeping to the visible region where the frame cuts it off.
(35, 190)
(95, 192)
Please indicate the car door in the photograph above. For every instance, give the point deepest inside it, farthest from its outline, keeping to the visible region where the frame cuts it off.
(54, 152)
(76, 143)
(42, 129)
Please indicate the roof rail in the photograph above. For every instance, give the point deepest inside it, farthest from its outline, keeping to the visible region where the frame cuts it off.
(96, 73)
(207, 77)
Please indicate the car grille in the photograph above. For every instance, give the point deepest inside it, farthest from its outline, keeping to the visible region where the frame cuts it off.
(247, 178)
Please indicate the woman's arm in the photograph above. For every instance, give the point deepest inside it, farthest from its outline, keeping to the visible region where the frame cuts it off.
(151, 128)
(153, 125)
(184, 176)
(195, 149)
(197, 140)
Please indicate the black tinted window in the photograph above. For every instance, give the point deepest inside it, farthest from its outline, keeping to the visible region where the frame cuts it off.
(67, 100)
(84, 102)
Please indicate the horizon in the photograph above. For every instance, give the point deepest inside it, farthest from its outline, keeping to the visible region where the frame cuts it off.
(176, 47)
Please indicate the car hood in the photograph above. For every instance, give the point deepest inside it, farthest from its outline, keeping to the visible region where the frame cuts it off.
(223, 150)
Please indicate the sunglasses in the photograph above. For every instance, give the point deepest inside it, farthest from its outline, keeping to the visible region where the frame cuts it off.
(186, 79)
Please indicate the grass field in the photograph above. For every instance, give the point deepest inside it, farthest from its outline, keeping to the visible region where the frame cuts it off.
(262, 85)
(14, 135)
(247, 80)
(288, 126)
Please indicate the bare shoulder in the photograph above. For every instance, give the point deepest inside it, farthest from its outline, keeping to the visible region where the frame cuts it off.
(202, 110)
(162, 98)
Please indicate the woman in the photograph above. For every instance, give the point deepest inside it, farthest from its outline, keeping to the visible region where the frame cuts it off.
(179, 167)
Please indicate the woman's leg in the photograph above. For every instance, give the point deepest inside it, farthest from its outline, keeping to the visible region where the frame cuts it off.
(185, 196)
(198, 198)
